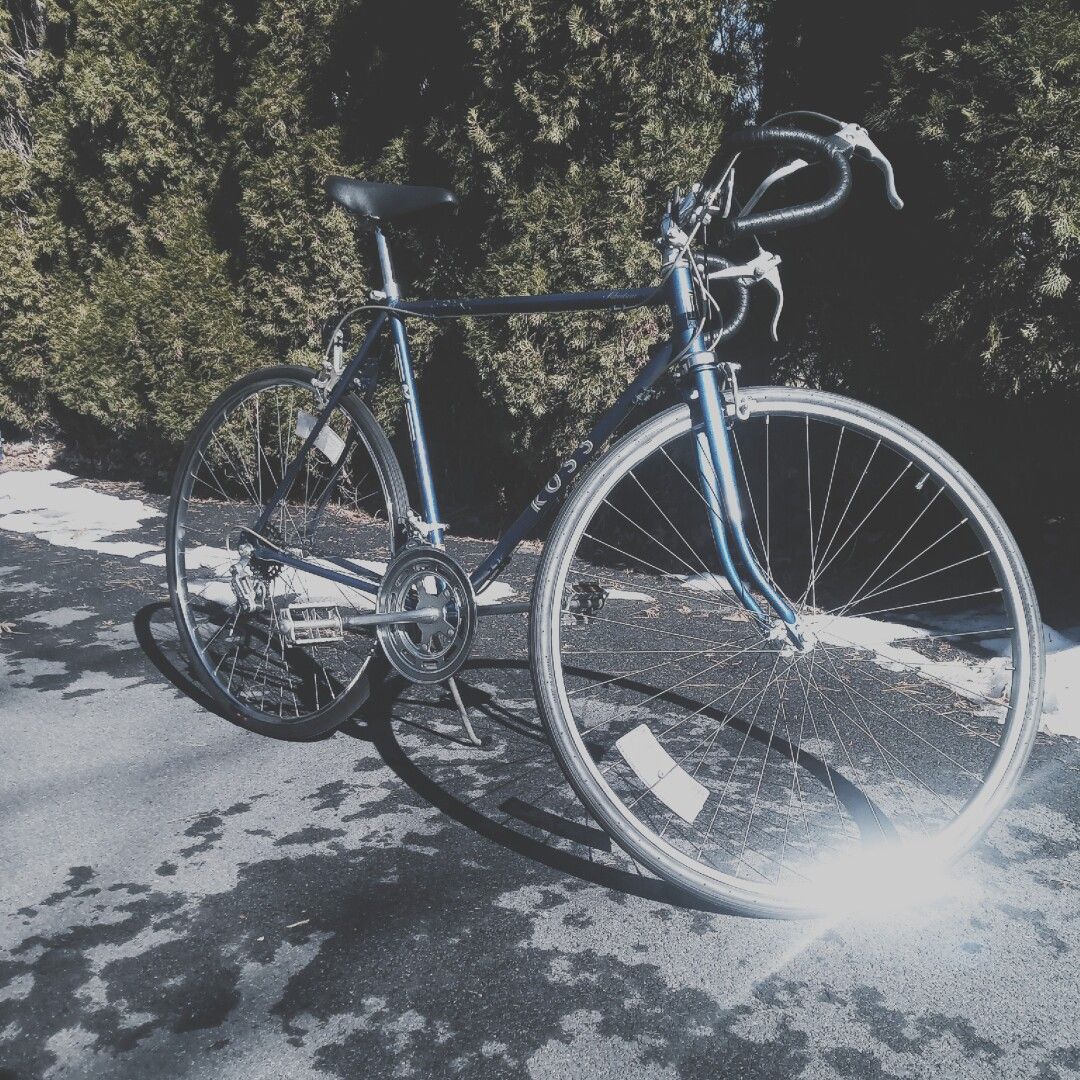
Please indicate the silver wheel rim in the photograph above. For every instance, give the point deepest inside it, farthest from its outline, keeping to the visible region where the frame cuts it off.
(320, 694)
(970, 821)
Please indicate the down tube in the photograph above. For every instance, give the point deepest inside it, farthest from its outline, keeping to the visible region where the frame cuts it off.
(551, 494)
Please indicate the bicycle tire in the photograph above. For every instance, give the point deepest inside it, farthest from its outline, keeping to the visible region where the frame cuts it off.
(377, 446)
(707, 886)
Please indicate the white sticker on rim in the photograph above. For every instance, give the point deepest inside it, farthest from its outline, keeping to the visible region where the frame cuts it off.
(666, 779)
(327, 441)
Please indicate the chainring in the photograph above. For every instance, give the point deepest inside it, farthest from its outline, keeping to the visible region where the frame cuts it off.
(424, 577)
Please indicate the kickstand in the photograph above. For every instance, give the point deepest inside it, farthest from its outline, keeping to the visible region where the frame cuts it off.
(466, 723)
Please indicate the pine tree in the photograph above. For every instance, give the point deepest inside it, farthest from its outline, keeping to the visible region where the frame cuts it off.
(165, 226)
(999, 109)
(580, 121)
(21, 287)
(959, 313)
(138, 325)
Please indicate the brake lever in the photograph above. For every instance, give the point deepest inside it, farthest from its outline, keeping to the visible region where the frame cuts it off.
(777, 174)
(858, 138)
(765, 266)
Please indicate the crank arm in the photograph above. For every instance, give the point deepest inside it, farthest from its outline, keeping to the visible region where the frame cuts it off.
(516, 608)
(389, 618)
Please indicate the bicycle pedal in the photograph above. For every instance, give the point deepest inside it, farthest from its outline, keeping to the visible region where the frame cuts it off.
(311, 624)
(587, 600)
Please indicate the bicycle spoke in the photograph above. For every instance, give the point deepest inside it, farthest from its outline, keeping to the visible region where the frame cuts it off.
(751, 759)
(334, 509)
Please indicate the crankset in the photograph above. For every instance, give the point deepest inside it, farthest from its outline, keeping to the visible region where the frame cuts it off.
(427, 581)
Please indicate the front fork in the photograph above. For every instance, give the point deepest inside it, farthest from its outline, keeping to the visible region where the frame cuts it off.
(720, 490)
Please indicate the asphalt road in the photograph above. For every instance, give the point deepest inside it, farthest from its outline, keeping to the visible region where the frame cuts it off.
(185, 899)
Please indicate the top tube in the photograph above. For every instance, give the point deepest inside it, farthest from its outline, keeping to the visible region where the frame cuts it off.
(596, 300)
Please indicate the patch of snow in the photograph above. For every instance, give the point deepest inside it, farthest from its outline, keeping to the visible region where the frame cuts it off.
(1061, 703)
(58, 617)
(705, 582)
(33, 503)
(984, 679)
(493, 594)
(373, 565)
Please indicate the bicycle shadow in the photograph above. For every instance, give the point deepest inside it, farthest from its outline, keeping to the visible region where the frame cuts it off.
(170, 661)
(518, 796)
(511, 791)
(382, 713)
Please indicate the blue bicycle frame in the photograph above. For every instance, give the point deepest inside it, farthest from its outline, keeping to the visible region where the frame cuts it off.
(704, 391)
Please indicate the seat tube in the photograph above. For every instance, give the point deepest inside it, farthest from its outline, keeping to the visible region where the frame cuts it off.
(428, 500)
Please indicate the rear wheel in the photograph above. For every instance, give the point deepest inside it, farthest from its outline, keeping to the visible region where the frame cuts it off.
(753, 774)
(345, 509)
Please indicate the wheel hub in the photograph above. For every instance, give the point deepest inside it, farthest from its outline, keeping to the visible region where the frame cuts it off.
(797, 640)
(425, 579)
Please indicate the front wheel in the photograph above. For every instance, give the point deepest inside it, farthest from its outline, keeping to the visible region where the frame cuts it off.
(751, 773)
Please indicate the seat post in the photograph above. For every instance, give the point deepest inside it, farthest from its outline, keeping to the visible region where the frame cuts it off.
(385, 264)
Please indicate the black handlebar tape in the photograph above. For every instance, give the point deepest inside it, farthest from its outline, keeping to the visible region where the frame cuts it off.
(831, 152)
(713, 262)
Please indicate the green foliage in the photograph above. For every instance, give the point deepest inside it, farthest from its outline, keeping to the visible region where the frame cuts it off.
(137, 323)
(999, 108)
(21, 286)
(579, 122)
(164, 226)
(959, 313)
(168, 324)
(295, 260)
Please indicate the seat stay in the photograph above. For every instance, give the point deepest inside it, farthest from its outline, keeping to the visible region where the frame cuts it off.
(337, 392)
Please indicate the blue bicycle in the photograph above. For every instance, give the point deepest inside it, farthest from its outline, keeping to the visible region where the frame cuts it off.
(779, 639)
